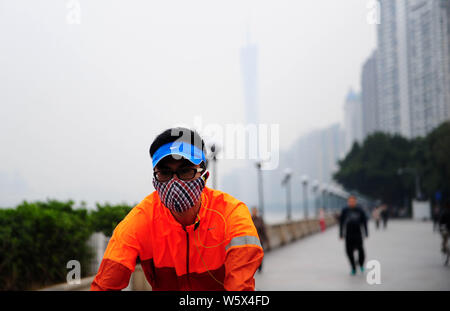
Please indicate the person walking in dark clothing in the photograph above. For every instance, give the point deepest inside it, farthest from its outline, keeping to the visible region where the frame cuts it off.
(436, 215)
(376, 216)
(351, 223)
(261, 229)
(444, 226)
(384, 215)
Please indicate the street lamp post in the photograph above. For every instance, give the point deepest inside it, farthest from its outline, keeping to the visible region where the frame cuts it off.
(325, 198)
(260, 189)
(332, 199)
(287, 182)
(336, 199)
(315, 187)
(214, 150)
(305, 195)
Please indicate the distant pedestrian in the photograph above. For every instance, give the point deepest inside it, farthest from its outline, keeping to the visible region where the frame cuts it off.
(384, 215)
(376, 216)
(436, 215)
(444, 226)
(258, 221)
(352, 221)
(322, 220)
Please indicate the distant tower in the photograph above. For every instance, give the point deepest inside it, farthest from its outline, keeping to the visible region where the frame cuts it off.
(249, 62)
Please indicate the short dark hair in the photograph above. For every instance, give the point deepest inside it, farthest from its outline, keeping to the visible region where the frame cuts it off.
(178, 134)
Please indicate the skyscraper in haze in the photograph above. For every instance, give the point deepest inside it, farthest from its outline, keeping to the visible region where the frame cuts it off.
(242, 183)
(392, 68)
(428, 60)
(353, 130)
(413, 66)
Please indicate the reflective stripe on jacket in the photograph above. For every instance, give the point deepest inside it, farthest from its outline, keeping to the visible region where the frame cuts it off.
(221, 251)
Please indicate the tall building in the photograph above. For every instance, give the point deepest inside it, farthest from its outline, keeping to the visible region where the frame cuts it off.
(369, 96)
(413, 66)
(353, 129)
(428, 61)
(445, 26)
(392, 68)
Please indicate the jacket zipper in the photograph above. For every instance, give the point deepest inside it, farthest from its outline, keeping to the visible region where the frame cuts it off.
(187, 257)
(187, 251)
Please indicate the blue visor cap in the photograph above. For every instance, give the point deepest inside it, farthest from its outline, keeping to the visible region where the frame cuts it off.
(177, 148)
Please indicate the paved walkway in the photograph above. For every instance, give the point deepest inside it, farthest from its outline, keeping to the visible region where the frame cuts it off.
(408, 252)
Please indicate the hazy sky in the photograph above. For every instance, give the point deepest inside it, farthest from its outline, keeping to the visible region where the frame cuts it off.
(81, 103)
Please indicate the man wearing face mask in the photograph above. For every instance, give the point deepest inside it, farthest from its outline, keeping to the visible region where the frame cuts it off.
(186, 235)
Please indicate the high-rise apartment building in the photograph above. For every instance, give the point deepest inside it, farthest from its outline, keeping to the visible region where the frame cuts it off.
(413, 66)
(392, 68)
(428, 57)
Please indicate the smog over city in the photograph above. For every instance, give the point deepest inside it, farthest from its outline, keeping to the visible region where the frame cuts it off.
(194, 148)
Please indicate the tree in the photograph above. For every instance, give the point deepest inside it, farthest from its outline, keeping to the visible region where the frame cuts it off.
(373, 168)
(435, 162)
(391, 167)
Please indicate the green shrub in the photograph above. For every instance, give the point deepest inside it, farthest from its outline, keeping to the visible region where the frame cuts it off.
(107, 217)
(38, 239)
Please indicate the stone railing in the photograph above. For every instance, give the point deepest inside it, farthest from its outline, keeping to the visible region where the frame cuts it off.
(284, 233)
(279, 235)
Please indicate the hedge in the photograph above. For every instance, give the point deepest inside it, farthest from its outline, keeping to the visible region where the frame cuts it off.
(37, 240)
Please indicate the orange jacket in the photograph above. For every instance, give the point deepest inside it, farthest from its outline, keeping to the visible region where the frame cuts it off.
(221, 251)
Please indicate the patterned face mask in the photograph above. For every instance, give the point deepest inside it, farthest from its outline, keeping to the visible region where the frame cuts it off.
(178, 195)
